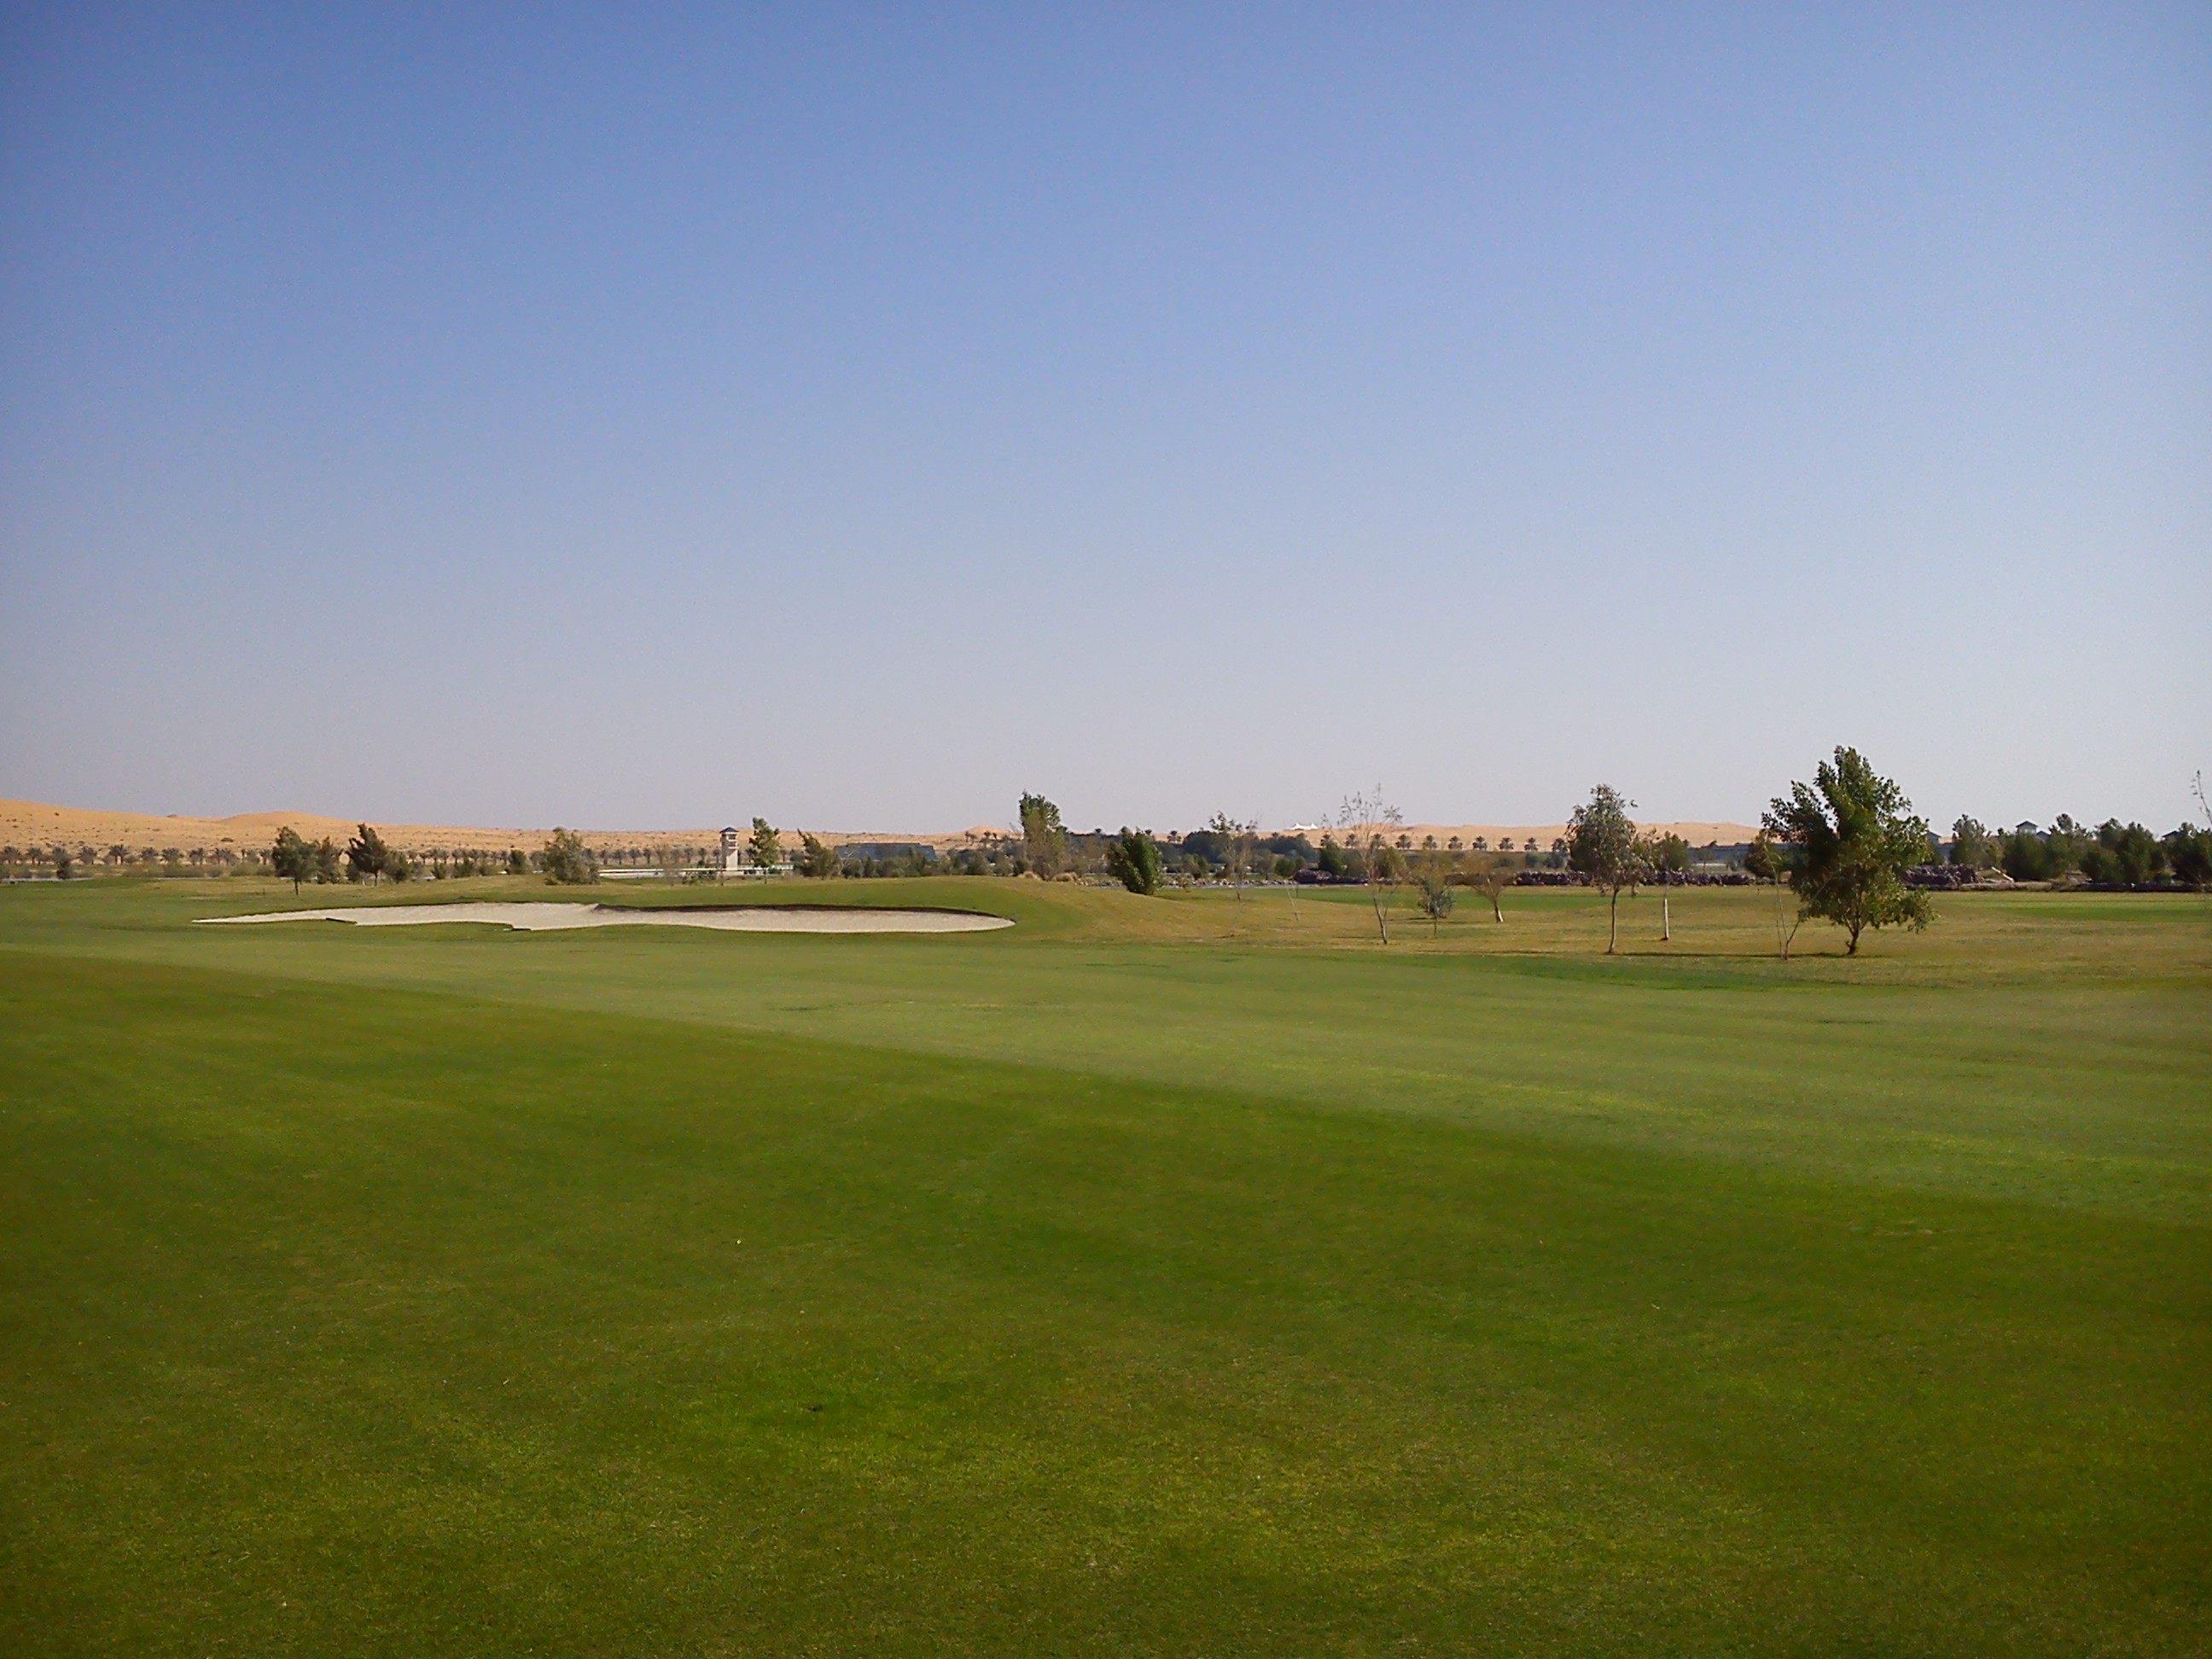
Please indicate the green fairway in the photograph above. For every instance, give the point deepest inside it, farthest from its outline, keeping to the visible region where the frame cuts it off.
(1177, 1275)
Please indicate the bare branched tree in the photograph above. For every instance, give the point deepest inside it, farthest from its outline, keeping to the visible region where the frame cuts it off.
(1237, 841)
(1768, 861)
(1368, 825)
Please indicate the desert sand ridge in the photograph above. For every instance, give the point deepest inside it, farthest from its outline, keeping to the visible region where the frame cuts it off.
(27, 824)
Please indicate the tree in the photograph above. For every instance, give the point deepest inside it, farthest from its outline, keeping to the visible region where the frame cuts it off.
(291, 858)
(1236, 841)
(1133, 858)
(2026, 856)
(518, 862)
(1368, 824)
(1490, 874)
(818, 860)
(64, 866)
(764, 847)
(1852, 836)
(1602, 843)
(1666, 856)
(567, 861)
(2126, 854)
(1970, 846)
(1432, 893)
(365, 854)
(1044, 838)
(2189, 851)
(326, 861)
(1762, 861)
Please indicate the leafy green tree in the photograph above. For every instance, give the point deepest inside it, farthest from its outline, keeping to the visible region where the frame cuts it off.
(2123, 853)
(1763, 860)
(365, 854)
(64, 866)
(291, 858)
(2025, 856)
(2066, 844)
(764, 849)
(2189, 853)
(1044, 838)
(326, 861)
(1133, 858)
(1602, 843)
(1970, 846)
(818, 860)
(566, 861)
(1852, 834)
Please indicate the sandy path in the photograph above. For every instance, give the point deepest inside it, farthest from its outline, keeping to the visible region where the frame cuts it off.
(544, 918)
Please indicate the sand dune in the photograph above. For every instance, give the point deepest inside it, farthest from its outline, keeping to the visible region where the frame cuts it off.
(26, 824)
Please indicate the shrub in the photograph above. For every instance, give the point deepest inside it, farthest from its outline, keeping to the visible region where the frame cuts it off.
(1134, 858)
(566, 861)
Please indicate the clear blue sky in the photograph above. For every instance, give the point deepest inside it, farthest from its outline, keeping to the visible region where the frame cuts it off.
(657, 415)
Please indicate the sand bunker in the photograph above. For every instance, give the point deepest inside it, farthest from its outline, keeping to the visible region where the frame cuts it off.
(544, 918)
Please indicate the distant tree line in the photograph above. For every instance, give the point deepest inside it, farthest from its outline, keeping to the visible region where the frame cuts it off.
(2113, 854)
(1837, 873)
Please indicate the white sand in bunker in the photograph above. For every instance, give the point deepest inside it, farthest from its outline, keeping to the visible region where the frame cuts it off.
(544, 918)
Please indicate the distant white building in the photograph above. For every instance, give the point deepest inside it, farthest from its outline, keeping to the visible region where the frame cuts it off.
(735, 863)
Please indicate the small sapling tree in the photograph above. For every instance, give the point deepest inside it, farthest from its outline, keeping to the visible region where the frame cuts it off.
(1432, 893)
(326, 862)
(1850, 835)
(1133, 858)
(1368, 824)
(1236, 841)
(818, 860)
(1490, 874)
(1768, 861)
(1602, 843)
(1667, 855)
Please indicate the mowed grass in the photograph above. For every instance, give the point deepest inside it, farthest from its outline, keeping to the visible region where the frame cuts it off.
(1182, 1277)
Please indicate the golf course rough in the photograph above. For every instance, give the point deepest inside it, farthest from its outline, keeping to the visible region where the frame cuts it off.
(1171, 1275)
